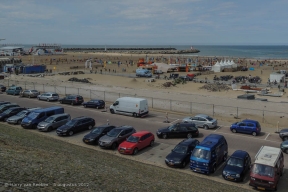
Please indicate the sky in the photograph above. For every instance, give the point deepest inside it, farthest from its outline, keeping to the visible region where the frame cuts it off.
(144, 22)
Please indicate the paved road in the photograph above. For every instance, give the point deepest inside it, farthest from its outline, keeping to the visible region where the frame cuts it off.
(154, 121)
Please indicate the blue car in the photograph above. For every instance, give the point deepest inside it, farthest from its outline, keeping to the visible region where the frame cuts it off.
(95, 103)
(246, 126)
(237, 166)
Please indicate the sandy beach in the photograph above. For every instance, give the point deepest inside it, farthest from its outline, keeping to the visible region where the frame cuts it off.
(189, 92)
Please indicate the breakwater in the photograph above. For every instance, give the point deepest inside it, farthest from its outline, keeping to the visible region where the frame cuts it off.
(153, 50)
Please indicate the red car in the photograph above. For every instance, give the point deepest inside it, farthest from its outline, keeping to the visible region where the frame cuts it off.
(136, 142)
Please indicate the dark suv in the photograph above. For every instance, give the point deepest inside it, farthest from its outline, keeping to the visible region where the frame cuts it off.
(188, 130)
(7, 106)
(283, 134)
(72, 99)
(77, 124)
(10, 112)
(116, 136)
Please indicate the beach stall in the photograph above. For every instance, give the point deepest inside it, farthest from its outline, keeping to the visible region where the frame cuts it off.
(217, 67)
(277, 76)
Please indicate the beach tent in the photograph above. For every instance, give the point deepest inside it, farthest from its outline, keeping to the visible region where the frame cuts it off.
(227, 64)
(217, 67)
(277, 76)
(165, 67)
(234, 65)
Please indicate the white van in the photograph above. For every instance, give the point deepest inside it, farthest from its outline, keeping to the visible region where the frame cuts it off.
(137, 107)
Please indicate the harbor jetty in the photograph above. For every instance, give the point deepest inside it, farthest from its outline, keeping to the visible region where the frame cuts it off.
(160, 50)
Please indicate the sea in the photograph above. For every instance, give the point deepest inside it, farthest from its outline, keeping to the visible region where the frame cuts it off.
(226, 51)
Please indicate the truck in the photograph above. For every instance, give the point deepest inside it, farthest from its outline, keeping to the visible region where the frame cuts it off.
(143, 73)
(136, 107)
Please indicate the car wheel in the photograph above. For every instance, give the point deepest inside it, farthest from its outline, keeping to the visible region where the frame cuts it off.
(71, 133)
(254, 133)
(135, 151)
(48, 100)
(97, 107)
(286, 151)
(19, 122)
(112, 111)
(90, 127)
(234, 131)
(85, 106)
(114, 146)
(61, 102)
(206, 127)
(183, 164)
(72, 103)
(151, 143)
(285, 138)
(14, 93)
(164, 136)
(49, 129)
(189, 135)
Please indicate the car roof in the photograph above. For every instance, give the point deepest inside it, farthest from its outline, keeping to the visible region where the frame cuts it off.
(141, 133)
(59, 115)
(81, 117)
(104, 126)
(124, 127)
(239, 154)
(187, 141)
(283, 130)
(50, 93)
(250, 120)
(15, 108)
(210, 141)
(201, 115)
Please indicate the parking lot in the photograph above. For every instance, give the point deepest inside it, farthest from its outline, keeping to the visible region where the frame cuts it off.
(156, 155)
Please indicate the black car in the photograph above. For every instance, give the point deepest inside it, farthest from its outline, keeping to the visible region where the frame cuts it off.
(283, 134)
(7, 106)
(72, 100)
(4, 102)
(77, 124)
(2, 88)
(237, 166)
(178, 130)
(10, 112)
(95, 134)
(95, 103)
(180, 155)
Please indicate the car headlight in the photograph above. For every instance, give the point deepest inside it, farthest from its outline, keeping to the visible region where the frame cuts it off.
(252, 178)
(224, 172)
(158, 132)
(205, 164)
(192, 161)
(237, 175)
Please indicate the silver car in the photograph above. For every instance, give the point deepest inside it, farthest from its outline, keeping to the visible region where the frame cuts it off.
(17, 119)
(49, 96)
(116, 136)
(53, 122)
(29, 93)
(202, 120)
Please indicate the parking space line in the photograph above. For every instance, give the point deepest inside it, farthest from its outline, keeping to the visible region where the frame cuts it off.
(267, 136)
(174, 121)
(219, 127)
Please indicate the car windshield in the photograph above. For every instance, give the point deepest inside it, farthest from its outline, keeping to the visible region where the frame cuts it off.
(49, 119)
(71, 123)
(201, 153)
(180, 149)
(235, 162)
(113, 132)
(263, 170)
(133, 139)
(55, 95)
(34, 91)
(7, 111)
(97, 130)
(33, 115)
(22, 113)
(209, 118)
(172, 127)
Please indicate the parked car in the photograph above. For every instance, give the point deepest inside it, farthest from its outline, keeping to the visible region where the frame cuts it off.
(14, 90)
(237, 166)
(284, 146)
(75, 125)
(17, 119)
(95, 103)
(136, 142)
(72, 100)
(10, 112)
(116, 136)
(202, 120)
(7, 106)
(246, 126)
(2, 88)
(267, 169)
(49, 96)
(4, 102)
(180, 155)
(53, 122)
(283, 134)
(188, 130)
(29, 93)
(209, 154)
(96, 133)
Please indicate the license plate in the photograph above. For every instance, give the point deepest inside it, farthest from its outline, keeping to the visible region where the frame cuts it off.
(261, 188)
(229, 177)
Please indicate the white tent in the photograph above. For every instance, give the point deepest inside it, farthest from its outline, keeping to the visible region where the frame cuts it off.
(234, 65)
(217, 67)
(226, 64)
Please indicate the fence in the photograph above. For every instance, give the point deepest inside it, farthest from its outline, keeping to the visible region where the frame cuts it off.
(271, 118)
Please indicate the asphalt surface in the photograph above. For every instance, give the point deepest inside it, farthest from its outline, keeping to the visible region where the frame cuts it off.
(153, 122)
